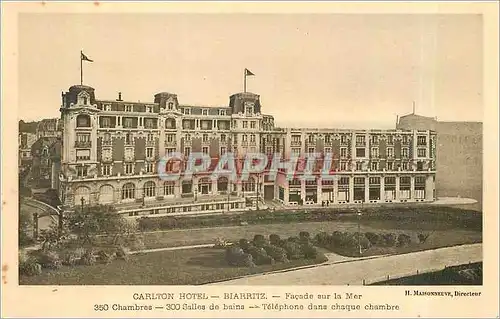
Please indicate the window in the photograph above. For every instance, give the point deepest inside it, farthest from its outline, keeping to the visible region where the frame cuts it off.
(244, 137)
(187, 111)
(105, 122)
(149, 189)
(170, 105)
(170, 138)
(204, 112)
(223, 137)
(421, 140)
(405, 139)
(222, 150)
(390, 139)
(360, 152)
(328, 150)
(205, 138)
(374, 180)
(327, 138)
(359, 166)
(129, 168)
(405, 166)
(269, 150)
(375, 152)
(344, 181)
(107, 107)
(127, 122)
(390, 152)
(128, 191)
(374, 166)
(249, 110)
(390, 181)
(252, 138)
(311, 138)
(187, 151)
(222, 112)
(149, 167)
(252, 124)
(311, 150)
(170, 123)
(168, 188)
(296, 151)
(107, 154)
(204, 149)
(106, 170)
(150, 137)
(83, 155)
(420, 166)
(343, 139)
(343, 152)
(169, 151)
(390, 166)
(83, 120)
(360, 139)
(149, 109)
(404, 152)
(343, 166)
(296, 139)
(374, 139)
(245, 124)
(129, 152)
(150, 123)
(187, 137)
(128, 138)
(149, 152)
(359, 181)
(81, 171)
(421, 152)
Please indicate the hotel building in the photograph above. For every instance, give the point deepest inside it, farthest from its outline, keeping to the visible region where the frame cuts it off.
(111, 148)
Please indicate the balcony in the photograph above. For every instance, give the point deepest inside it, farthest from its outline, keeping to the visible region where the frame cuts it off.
(129, 157)
(107, 159)
(295, 143)
(106, 142)
(83, 144)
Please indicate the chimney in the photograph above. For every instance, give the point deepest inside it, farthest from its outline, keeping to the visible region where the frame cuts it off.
(119, 96)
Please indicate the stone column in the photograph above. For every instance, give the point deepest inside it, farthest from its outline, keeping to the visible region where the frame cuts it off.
(303, 191)
(319, 190)
(382, 189)
(397, 188)
(336, 189)
(429, 188)
(351, 189)
(367, 189)
(412, 187)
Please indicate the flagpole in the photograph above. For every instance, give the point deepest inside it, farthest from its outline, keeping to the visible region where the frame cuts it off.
(245, 81)
(81, 68)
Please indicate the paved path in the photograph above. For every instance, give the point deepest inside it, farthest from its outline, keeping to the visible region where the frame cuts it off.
(371, 270)
(170, 248)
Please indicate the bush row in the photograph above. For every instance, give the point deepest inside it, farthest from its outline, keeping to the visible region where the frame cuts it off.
(32, 263)
(265, 251)
(409, 215)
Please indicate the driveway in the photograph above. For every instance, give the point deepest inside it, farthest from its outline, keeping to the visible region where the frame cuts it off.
(355, 272)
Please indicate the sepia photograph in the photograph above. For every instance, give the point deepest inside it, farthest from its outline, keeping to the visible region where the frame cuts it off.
(262, 149)
(249, 160)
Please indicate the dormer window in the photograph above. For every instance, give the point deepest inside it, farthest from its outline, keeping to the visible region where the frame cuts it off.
(205, 112)
(83, 98)
(83, 120)
(128, 108)
(107, 107)
(249, 110)
(170, 105)
(222, 112)
(187, 111)
(149, 109)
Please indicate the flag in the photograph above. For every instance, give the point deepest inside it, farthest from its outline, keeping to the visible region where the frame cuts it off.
(85, 58)
(248, 72)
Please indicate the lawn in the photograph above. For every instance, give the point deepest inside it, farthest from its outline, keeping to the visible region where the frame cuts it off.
(445, 229)
(179, 267)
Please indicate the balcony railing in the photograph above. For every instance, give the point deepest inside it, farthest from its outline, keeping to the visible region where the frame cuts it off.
(106, 142)
(84, 144)
(295, 143)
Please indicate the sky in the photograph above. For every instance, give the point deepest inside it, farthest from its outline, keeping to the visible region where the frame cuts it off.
(311, 70)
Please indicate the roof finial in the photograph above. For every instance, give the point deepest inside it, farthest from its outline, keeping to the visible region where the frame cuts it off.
(413, 107)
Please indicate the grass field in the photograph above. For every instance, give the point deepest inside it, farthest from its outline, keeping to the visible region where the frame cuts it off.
(180, 267)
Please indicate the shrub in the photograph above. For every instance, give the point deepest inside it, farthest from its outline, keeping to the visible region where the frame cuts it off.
(293, 239)
(29, 267)
(389, 239)
(246, 260)
(277, 253)
(274, 239)
(244, 244)
(48, 259)
(361, 240)
(259, 241)
(403, 240)
(104, 257)
(135, 242)
(373, 238)
(309, 251)
(422, 238)
(304, 235)
(293, 251)
(220, 243)
(122, 253)
(236, 257)
(71, 257)
(88, 258)
(321, 238)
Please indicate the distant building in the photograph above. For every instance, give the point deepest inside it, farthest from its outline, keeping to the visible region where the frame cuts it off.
(49, 128)
(111, 149)
(26, 140)
(459, 155)
(41, 168)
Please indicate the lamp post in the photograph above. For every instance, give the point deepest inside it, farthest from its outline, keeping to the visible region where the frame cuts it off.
(359, 231)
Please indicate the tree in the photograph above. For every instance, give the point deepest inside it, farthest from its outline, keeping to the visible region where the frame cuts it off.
(25, 227)
(99, 220)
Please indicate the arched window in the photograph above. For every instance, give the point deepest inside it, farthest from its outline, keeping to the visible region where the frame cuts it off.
(249, 185)
(128, 191)
(187, 187)
(149, 189)
(83, 120)
(204, 186)
(170, 123)
(106, 194)
(222, 184)
(82, 192)
(168, 188)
